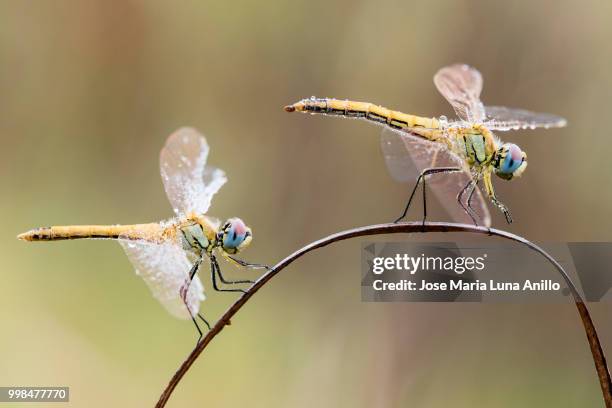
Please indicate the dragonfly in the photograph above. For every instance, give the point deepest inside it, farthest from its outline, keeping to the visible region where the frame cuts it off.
(167, 255)
(460, 153)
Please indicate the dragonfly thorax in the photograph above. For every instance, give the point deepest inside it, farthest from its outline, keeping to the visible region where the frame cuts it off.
(194, 237)
(475, 143)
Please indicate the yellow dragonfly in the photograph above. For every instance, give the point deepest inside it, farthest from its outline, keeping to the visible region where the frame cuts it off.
(168, 254)
(465, 150)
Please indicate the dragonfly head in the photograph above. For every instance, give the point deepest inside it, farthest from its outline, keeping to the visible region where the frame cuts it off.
(510, 161)
(234, 236)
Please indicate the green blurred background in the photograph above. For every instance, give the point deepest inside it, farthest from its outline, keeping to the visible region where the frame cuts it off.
(90, 90)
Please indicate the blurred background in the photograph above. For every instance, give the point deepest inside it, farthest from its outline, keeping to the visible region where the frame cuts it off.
(90, 90)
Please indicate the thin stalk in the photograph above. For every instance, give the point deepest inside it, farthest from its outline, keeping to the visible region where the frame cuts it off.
(412, 227)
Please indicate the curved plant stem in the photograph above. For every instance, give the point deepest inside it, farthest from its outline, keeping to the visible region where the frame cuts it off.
(412, 227)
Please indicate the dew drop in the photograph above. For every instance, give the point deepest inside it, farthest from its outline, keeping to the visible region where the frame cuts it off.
(443, 121)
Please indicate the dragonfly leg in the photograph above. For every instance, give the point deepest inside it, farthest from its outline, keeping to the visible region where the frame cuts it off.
(204, 320)
(422, 177)
(471, 185)
(215, 269)
(469, 203)
(246, 264)
(241, 263)
(185, 290)
(491, 193)
(502, 207)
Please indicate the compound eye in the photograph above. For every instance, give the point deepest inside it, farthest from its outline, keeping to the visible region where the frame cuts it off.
(512, 161)
(235, 234)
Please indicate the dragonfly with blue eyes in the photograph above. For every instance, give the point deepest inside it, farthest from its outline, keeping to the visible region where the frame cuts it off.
(168, 254)
(465, 151)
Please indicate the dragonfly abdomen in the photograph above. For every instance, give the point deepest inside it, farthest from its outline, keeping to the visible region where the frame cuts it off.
(149, 232)
(363, 110)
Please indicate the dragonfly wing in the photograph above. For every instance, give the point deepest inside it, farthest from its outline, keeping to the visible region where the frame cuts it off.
(502, 118)
(215, 222)
(461, 85)
(189, 183)
(407, 155)
(165, 269)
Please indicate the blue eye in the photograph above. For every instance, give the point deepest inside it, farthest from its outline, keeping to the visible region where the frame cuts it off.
(235, 233)
(232, 239)
(512, 161)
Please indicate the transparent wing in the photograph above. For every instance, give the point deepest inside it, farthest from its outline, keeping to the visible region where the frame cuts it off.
(502, 118)
(215, 222)
(461, 85)
(189, 183)
(165, 268)
(408, 155)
